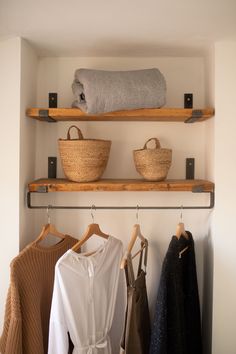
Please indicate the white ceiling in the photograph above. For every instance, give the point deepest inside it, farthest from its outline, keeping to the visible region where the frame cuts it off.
(119, 28)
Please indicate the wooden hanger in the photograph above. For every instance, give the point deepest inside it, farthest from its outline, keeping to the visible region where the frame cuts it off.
(180, 230)
(49, 229)
(93, 229)
(135, 234)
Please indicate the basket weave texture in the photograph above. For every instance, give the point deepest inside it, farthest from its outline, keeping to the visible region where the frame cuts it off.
(83, 160)
(153, 164)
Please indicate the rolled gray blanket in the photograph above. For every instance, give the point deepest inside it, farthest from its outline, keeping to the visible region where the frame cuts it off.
(99, 91)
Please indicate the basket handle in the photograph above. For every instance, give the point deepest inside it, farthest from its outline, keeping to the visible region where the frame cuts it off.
(157, 143)
(80, 135)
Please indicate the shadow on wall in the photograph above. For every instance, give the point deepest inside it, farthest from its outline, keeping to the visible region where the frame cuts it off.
(207, 294)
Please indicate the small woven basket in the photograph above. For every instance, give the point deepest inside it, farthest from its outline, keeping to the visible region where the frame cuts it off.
(83, 160)
(153, 164)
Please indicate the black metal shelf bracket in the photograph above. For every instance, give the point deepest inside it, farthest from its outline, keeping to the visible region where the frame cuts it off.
(196, 114)
(44, 115)
(44, 189)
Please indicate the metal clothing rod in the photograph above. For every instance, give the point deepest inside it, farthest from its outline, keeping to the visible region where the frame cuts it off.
(210, 206)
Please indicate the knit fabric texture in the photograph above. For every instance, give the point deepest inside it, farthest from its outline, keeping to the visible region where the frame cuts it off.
(100, 91)
(28, 304)
(177, 324)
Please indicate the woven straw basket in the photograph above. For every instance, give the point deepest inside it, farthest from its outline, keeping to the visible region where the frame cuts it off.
(83, 160)
(153, 164)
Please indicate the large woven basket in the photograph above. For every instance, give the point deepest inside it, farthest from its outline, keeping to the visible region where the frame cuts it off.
(153, 164)
(83, 160)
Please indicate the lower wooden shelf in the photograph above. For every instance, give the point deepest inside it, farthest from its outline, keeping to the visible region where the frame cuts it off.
(112, 185)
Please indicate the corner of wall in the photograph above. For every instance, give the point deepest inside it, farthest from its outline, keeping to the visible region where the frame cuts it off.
(9, 157)
(29, 67)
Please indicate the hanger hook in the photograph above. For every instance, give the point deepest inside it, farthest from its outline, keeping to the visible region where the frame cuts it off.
(48, 214)
(92, 207)
(137, 212)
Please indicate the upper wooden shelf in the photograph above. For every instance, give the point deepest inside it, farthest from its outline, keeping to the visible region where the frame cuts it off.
(160, 114)
(63, 185)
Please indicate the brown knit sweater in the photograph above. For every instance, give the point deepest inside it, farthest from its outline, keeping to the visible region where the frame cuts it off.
(29, 298)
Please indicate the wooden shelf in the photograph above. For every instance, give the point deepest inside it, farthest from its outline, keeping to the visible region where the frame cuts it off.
(159, 114)
(63, 185)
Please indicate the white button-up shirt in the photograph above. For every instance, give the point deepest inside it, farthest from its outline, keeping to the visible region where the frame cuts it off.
(84, 299)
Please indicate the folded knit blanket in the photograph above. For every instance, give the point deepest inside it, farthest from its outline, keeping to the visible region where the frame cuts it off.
(98, 91)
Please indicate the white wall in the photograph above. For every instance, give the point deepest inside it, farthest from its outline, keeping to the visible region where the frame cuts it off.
(208, 255)
(183, 75)
(27, 139)
(10, 70)
(224, 308)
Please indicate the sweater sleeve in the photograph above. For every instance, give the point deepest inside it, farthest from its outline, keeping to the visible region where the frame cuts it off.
(58, 333)
(11, 339)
